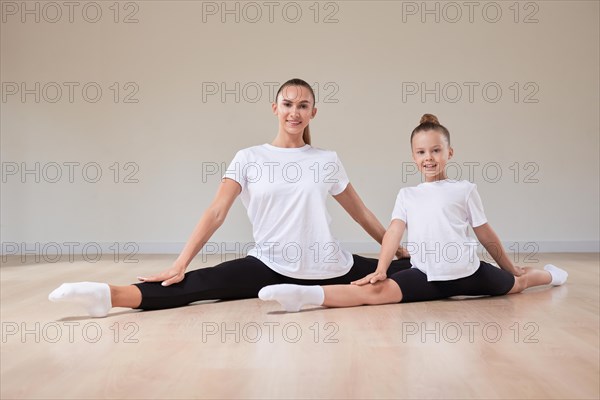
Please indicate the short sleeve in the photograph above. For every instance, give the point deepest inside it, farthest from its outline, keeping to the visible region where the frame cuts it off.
(236, 169)
(400, 208)
(475, 211)
(338, 177)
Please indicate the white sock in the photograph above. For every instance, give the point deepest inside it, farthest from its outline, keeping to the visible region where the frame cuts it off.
(293, 297)
(94, 297)
(559, 276)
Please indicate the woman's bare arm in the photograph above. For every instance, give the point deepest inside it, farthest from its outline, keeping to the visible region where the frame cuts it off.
(352, 203)
(212, 218)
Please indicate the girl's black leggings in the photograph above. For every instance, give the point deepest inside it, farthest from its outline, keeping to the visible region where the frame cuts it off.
(242, 279)
(486, 281)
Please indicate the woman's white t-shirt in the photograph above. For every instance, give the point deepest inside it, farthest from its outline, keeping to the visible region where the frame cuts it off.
(284, 191)
(437, 216)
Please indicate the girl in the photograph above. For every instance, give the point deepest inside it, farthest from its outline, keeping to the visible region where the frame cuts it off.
(284, 186)
(444, 261)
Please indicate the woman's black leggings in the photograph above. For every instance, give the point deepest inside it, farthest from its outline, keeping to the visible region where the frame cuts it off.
(242, 279)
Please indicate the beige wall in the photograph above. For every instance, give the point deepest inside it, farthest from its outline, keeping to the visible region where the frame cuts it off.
(167, 127)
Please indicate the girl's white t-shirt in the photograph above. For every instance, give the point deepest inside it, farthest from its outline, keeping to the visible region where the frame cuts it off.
(284, 191)
(437, 216)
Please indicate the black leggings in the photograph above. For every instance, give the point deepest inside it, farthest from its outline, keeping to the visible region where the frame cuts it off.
(242, 279)
(486, 281)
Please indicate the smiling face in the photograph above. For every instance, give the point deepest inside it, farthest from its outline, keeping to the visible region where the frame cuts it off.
(431, 153)
(294, 109)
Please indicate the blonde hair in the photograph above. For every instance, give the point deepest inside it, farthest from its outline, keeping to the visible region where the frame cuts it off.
(430, 122)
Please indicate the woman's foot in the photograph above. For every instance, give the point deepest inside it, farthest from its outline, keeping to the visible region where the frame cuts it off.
(94, 297)
(293, 297)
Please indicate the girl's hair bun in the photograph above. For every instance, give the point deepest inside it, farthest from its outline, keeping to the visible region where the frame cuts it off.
(429, 118)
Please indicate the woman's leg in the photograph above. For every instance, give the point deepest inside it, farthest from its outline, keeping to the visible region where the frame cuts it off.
(382, 292)
(125, 296)
(293, 294)
(236, 279)
(237, 274)
(131, 297)
(231, 280)
(293, 297)
(364, 266)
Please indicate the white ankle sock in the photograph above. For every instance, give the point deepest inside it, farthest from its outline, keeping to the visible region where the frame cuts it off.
(559, 276)
(94, 297)
(293, 297)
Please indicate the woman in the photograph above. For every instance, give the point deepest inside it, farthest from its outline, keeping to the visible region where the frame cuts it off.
(284, 187)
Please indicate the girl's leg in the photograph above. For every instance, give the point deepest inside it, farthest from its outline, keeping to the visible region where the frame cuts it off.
(411, 285)
(489, 280)
(537, 277)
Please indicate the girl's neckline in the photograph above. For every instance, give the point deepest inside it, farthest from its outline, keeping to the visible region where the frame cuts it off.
(440, 181)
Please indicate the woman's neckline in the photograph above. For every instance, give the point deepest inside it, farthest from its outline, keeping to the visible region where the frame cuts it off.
(287, 149)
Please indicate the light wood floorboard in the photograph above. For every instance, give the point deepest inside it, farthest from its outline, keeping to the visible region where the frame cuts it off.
(543, 343)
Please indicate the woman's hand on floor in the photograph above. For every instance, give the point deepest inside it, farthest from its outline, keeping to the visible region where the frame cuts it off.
(175, 274)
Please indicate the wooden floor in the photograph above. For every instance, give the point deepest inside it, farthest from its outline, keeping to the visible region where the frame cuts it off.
(540, 344)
